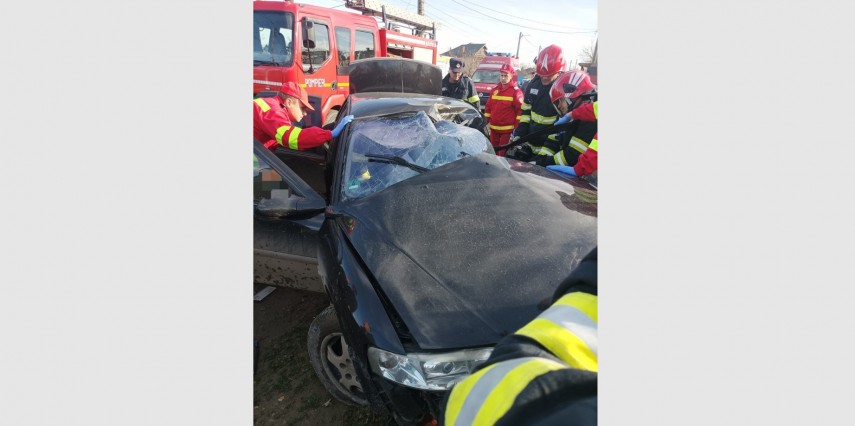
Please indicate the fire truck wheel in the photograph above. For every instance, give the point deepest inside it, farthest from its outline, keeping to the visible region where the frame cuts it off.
(331, 117)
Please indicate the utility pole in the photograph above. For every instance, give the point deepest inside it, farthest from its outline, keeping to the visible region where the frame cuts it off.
(594, 59)
(518, 43)
(422, 7)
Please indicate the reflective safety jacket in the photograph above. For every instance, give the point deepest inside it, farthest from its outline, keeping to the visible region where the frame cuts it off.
(464, 89)
(566, 147)
(537, 112)
(587, 163)
(585, 112)
(273, 126)
(546, 372)
(504, 107)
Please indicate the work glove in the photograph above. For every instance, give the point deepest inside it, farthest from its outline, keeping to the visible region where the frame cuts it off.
(513, 138)
(341, 124)
(563, 170)
(543, 160)
(564, 119)
(520, 152)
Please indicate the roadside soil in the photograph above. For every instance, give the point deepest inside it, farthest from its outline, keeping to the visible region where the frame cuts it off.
(286, 390)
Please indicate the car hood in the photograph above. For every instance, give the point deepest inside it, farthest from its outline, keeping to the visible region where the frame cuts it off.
(466, 252)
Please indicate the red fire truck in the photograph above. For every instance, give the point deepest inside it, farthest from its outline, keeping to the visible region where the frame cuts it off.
(315, 45)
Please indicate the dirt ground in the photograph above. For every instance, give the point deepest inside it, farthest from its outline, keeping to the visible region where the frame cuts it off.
(286, 390)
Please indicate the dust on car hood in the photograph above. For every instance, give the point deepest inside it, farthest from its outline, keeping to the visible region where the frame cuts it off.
(466, 251)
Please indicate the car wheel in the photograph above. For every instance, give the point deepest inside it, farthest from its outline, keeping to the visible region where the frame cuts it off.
(330, 358)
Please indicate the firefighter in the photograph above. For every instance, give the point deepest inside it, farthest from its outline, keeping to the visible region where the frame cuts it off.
(503, 107)
(275, 120)
(538, 112)
(587, 162)
(570, 91)
(546, 372)
(458, 86)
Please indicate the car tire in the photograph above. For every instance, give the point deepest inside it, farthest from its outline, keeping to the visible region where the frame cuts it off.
(330, 357)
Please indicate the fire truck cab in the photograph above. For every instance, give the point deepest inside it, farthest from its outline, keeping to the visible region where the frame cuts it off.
(314, 46)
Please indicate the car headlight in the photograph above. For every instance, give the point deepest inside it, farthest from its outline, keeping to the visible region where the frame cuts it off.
(435, 371)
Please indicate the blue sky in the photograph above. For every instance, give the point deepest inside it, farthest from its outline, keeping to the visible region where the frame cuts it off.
(542, 23)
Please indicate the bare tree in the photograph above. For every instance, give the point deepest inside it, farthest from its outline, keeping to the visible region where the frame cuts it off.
(586, 55)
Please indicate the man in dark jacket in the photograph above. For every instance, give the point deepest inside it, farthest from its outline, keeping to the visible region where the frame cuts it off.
(538, 111)
(458, 86)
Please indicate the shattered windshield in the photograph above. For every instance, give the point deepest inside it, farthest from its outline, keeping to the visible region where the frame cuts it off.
(273, 38)
(386, 150)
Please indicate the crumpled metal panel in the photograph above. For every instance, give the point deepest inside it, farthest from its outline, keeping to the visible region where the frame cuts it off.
(395, 75)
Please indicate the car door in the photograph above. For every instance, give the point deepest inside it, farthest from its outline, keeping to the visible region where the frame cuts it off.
(287, 215)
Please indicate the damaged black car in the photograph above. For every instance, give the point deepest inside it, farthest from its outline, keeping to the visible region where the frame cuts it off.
(429, 246)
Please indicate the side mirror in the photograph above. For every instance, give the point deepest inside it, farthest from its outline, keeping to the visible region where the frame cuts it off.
(283, 203)
(308, 34)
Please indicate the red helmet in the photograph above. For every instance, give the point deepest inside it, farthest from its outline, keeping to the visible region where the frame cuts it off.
(549, 61)
(293, 89)
(571, 85)
(507, 69)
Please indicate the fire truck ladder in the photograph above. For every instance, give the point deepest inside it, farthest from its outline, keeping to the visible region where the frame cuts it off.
(421, 25)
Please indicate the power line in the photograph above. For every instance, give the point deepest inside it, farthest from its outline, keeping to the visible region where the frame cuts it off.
(523, 26)
(529, 41)
(516, 17)
(408, 3)
(450, 26)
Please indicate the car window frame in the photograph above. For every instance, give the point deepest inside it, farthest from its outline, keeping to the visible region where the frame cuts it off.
(296, 184)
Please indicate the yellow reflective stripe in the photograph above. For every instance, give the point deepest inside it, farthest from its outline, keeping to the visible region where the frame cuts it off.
(546, 151)
(502, 397)
(280, 132)
(473, 98)
(578, 144)
(486, 114)
(593, 145)
(584, 302)
(540, 119)
(468, 399)
(262, 104)
(502, 98)
(543, 119)
(525, 119)
(559, 158)
(501, 127)
(292, 138)
(597, 116)
(460, 392)
(562, 343)
(574, 321)
(553, 137)
(526, 107)
(518, 117)
(344, 84)
(574, 341)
